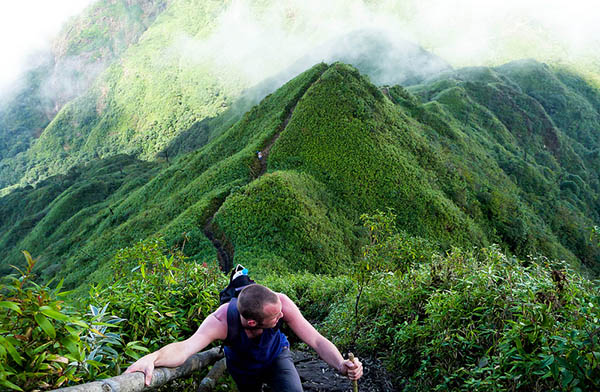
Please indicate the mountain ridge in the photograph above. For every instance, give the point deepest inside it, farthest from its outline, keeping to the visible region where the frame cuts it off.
(159, 88)
(344, 147)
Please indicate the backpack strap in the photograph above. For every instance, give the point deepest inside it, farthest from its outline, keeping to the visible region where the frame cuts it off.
(233, 322)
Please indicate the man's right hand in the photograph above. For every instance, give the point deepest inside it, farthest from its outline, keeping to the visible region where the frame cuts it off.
(144, 365)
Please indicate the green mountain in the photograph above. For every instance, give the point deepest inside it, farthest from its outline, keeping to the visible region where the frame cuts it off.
(469, 158)
(129, 77)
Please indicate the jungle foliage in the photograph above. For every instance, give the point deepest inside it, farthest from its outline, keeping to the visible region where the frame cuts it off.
(82, 51)
(46, 342)
(455, 158)
(463, 320)
(478, 321)
(161, 295)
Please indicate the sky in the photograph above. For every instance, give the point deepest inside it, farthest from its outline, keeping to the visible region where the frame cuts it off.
(27, 26)
(463, 32)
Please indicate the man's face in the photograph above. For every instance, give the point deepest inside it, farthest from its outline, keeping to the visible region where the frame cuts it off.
(272, 314)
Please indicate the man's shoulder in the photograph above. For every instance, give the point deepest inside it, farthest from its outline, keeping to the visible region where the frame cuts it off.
(288, 307)
(221, 313)
(284, 298)
(214, 326)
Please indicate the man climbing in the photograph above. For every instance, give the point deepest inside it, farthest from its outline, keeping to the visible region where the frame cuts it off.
(256, 350)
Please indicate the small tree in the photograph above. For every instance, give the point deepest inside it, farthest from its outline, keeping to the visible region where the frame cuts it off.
(376, 255)
(161, 293)
(387, 251)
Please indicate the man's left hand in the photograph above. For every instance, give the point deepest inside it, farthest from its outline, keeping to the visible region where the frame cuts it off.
(354, 370)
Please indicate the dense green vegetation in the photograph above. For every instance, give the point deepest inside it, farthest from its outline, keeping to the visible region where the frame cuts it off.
(553, 166)
(47, 343)
(136, 200)
(465, 320)
(59, 216)
(164, 85)
(125, 110)
(478, 279)
(468, 320)
(466, 159)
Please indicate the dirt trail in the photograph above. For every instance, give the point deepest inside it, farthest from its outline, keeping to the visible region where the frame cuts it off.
(224, 247)
(317, 376)
(264, 153)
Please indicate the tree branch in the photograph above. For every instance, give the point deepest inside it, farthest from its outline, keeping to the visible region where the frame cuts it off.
(134, 382)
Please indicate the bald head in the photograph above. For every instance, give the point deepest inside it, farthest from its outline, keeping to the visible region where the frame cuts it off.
(252, 301)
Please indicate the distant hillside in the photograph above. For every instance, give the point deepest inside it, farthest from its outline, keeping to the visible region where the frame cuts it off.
(467, 159)
(537, 123)
(86, 46)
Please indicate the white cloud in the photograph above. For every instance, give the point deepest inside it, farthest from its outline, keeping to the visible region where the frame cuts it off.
(489, 31)
(260, 43)
(257, 44)
(27, 26)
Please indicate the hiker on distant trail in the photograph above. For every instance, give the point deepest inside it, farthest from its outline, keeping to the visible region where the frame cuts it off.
(256, 350)
(259, 154)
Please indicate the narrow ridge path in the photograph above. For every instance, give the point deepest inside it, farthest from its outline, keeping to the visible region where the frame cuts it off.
(316, 375)
(224, 247)
(265, 151)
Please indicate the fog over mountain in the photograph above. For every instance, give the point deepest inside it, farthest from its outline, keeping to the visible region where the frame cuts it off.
(224, 49)
(463, 32)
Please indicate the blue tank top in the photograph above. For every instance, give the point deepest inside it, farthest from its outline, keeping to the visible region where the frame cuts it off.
(249, 356)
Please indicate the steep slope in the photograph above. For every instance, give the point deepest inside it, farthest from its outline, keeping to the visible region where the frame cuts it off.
(173, 81)
(384, 59)
(54, 220)
(177, 202)
(344, 143)
(93, 40)
(544, 142)
(475, 161)
(139, 103)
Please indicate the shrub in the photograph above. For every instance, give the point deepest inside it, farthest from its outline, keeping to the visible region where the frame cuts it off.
(161, 295)
(479, 321)
(44, 343)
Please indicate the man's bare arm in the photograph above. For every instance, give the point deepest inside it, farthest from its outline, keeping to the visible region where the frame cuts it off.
(214, 327)
(323, 346)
